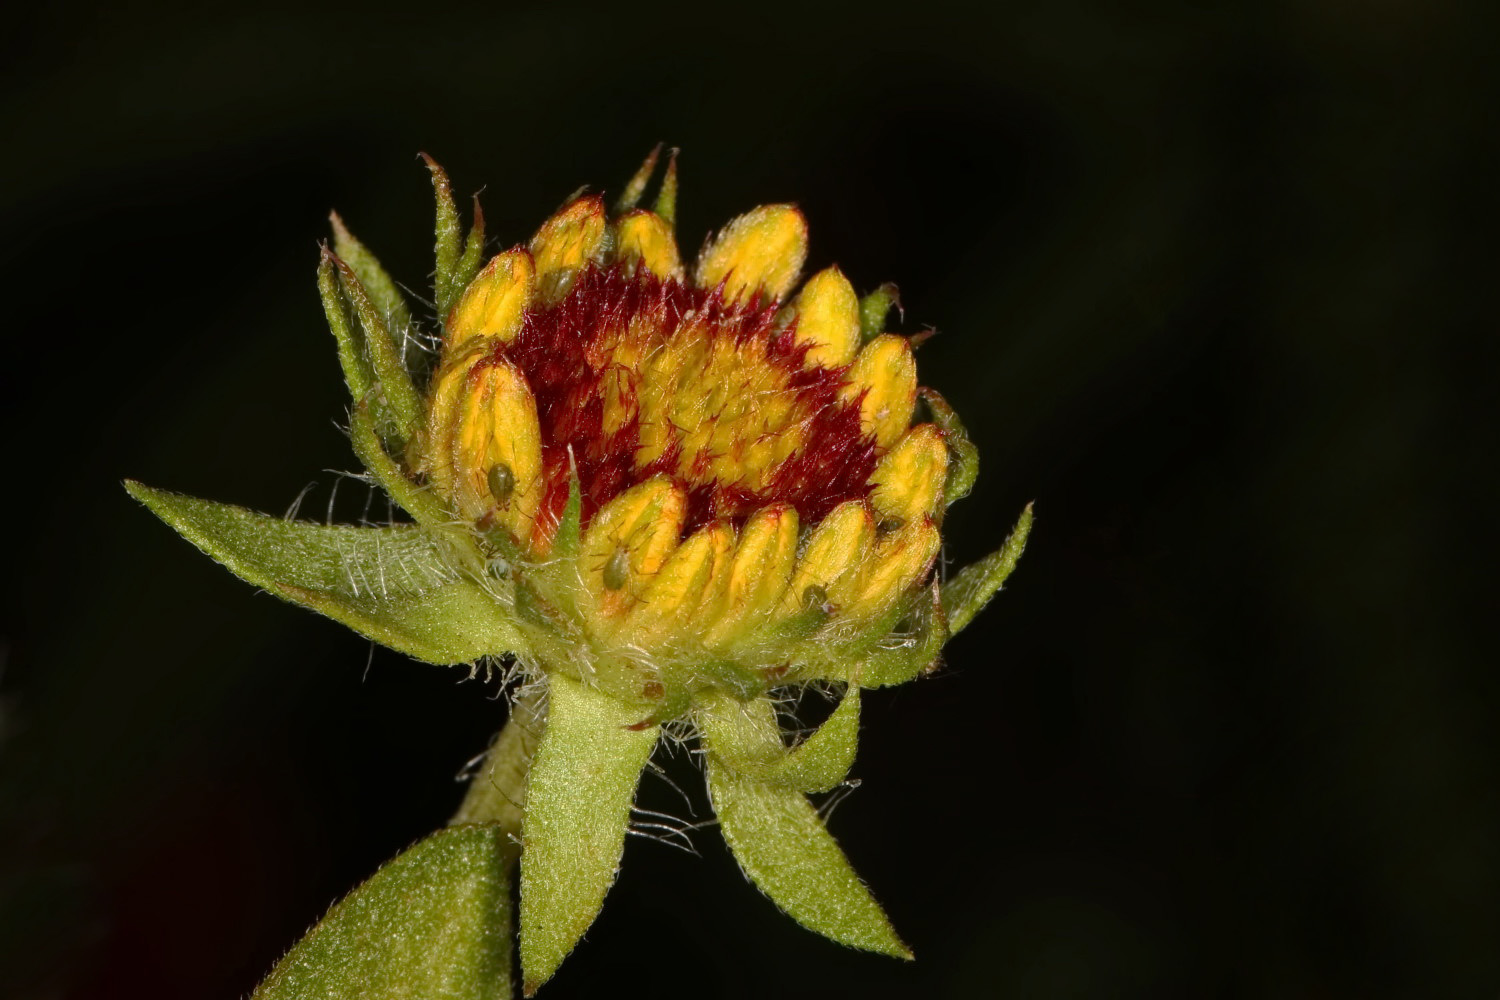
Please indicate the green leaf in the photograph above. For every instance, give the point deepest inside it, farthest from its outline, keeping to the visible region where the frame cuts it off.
(434, 923)
(874, 308)
(744, 735)
(783, 847)
(382, 288)
(964, 469)
(397, 585)
(971, 589)
(383, 353)
(578, 799)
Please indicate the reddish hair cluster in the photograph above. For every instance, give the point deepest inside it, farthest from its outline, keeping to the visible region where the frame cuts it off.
(559, 351)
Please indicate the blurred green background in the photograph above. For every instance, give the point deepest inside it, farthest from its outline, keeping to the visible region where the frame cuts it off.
(1213, 286)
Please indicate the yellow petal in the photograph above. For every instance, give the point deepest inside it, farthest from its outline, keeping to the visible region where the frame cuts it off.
(835, 551)
(628, 541)
(645, 237)
(494, 302)
(762, 249)
(497, 439)
(448, 387)
(828, 319)
(760, 571)
(900, 560)
(909, 479)
(886, 373)
(566, 242)
(671, 597)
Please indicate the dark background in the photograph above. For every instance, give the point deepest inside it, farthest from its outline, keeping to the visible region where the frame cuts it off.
(1213, 287)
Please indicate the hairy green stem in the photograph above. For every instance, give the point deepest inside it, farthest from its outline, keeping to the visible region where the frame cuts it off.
(497, 792)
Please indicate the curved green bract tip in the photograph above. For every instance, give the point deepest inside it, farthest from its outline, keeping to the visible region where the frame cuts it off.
(971, 589)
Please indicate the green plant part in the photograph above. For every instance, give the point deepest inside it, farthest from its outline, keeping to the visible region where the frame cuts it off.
(672, 495)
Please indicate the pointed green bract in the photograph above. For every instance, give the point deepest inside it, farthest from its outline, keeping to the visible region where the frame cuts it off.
(971, 589)
(472, 258)
(745, 736)
(636, 186)
(448, 239)
(666, 197)
(964, 469)
(434, 923)
(384, 355)
(395, 585)
(420, 503)
(358, 375)
(783, 847)
(916, 649)
(578, 800)
(570, 524)
(874, 308)
(383, 289)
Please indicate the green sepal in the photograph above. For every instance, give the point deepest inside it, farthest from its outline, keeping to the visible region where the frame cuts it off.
(873, 310)
(433, 922)
(971, 589)
(383, 353)
(963, 470)
(745, 736)
(783, 847)
(396, 585)
(417, 501)
(578, 800)
(901, 657)
(383, 289)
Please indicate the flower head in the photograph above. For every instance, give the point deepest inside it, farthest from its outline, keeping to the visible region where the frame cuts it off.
(668, 490)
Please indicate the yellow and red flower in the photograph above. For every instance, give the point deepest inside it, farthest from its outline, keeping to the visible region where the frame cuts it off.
(669, 492)
(742, 456)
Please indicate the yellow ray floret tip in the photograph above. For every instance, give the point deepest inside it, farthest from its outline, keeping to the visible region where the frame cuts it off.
(566, 242)
(629, 539)
(909, 479)
(886, 373)
(684, 582)
(495, 301)
(762, 250)
(828, 318)
(645, 237)
(760, 570)
(835, 550)
(497, 447)
(900, 560)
